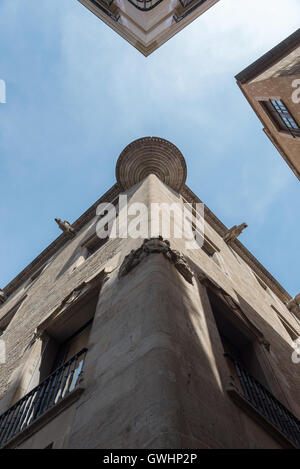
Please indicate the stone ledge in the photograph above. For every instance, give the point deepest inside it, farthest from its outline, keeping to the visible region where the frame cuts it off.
(44, 419)
(249, 409)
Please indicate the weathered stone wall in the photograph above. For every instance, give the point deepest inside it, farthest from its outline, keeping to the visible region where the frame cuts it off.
(155, 375)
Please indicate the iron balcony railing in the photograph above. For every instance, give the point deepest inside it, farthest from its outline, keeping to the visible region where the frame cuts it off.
(44, 396)
(145, 5)
(268, 405)
(185, 3)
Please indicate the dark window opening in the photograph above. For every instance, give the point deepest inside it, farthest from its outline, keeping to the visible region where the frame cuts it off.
(207, 246)
(69, 336)
(237, 341)
(58, 374)
(66, 350)
(238, 347)
(94, 243)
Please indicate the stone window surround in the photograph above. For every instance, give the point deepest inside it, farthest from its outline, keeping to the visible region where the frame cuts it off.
(260, 342)
(232, 387)
(92, 239)
(83, 291)
(86, 290)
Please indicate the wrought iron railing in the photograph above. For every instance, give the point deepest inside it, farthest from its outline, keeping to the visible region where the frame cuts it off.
(104, 7)
(185, 4)
(275, 412)
(44, 396)
(145, 5)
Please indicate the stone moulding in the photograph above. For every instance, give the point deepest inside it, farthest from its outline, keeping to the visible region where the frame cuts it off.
(207, 282)
(77, 294)
(156, 246)
(151, 155)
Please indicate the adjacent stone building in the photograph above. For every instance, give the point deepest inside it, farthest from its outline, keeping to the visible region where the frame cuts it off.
(133, 342)
(272, 87)
(147, 24)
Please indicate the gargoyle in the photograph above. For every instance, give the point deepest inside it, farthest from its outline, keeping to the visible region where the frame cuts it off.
(233, 233)
(66, 227)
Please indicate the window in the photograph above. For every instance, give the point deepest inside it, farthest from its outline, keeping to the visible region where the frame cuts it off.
(281, 116)
(71, 347)
(211, 251)
(237, 340)
(63, 340)
(68, 335)
(208, 247)
(94, 243)
(254, 394)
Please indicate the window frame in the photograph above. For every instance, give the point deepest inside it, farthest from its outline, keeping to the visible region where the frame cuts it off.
(281, 117)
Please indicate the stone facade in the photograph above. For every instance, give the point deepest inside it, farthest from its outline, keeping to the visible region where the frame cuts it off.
(276, 76)
(147, 24)
(155, 374)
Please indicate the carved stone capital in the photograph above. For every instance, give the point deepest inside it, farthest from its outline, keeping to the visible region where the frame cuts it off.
(152, 246)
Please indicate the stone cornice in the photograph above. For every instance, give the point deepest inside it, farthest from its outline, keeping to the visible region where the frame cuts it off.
(54, 247)
(239, 248)
(270, 58)
(109, 196)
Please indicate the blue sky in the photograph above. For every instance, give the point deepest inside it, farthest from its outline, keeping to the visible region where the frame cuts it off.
(77, 94)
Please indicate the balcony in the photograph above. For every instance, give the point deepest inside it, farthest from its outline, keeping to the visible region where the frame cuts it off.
(43, 397)
(268, 406)
(145, 5)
